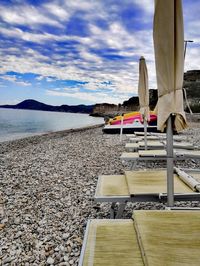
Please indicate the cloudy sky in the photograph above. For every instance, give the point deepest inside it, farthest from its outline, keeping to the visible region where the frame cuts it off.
(81, 51)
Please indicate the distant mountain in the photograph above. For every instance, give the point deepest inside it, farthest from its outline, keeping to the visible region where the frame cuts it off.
(132, 104)
(192, 87)
(35, 105)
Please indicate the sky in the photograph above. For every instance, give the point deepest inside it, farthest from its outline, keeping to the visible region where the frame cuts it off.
(81, 51)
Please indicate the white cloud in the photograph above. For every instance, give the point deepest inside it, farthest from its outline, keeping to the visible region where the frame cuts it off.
(10, 102)
(15, 80)
(91, 97)
(87, 58)
(26, 15)
(57, 10)
(145, 5)
(192, 59)
(50, 79)
(30, 37)
(39, 78)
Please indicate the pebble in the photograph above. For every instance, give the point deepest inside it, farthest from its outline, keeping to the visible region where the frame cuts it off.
(46, 219)
(50, 260)
(66, 258)
(65, 236)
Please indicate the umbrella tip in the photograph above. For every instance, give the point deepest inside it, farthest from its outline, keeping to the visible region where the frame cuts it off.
(142, 58)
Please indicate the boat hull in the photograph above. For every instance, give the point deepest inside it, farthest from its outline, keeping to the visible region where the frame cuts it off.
(127, 129)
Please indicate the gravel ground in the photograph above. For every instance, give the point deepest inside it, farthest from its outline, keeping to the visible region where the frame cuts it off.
(47, 185)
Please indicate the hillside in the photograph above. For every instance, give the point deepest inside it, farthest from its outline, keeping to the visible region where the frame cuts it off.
(35, 105)
(131, 104)
(192, 87)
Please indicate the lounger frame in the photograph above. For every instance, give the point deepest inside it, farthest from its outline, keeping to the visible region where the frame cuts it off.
(118, 203)
(178, 157)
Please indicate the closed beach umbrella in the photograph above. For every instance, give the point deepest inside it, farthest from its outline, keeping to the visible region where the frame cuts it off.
(169, 57)
(143, 93)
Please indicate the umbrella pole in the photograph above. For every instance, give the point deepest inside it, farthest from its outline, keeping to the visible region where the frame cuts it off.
(145, 133)
(170, 164)
(121, 128)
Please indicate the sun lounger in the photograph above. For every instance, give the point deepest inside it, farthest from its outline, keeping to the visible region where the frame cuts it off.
(138, 133)
(161, 137)
(157, 145)
(154, 238)
(145, 186)
(152, 155)
(143, 155)
(138, 139)
(141, 145)
(110, 243)
(183, 145)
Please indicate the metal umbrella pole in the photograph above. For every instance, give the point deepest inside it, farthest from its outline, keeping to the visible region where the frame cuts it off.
(145, 133)
(170, 163)
(121, 128)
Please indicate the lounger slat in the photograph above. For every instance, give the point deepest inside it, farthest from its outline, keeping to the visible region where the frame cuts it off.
(129, 155)
(153, 153)
(112, 185)
(188, 153)
(111, 243)
(151, 143)
(152, 182)
(182, 145)
(169, 237)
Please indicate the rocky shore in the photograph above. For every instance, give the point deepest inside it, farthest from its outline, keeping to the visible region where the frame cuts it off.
(47, 185)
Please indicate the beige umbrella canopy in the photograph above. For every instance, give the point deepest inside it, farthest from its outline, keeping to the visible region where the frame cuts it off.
(169, 55)
(143, 89)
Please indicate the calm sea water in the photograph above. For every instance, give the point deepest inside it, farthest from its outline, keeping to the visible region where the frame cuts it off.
(15, 124)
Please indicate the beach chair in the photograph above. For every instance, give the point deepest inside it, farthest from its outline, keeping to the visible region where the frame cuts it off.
(145, 186)
(133, 147)
(157, 155)
(152, 144)
(159, 137)
(154, 238)
(138, 133)
(138, 139)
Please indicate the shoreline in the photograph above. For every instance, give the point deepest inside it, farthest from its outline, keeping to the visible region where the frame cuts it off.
(50, 134)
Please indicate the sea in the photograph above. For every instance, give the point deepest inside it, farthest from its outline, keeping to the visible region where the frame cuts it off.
(16, 124)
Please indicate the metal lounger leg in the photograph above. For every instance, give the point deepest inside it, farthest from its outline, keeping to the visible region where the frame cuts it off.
(112, 210)
(120, 210)
(133, 165)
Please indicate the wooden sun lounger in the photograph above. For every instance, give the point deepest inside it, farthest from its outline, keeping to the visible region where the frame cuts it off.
(138, 139)
(141, 145)
(152, 155)
(145, 186)
(138, 133)
(152, 144)
(154, 238)
(153, 136)
(110, 243)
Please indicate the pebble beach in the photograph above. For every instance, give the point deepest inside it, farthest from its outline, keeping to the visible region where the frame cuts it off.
(47, 186)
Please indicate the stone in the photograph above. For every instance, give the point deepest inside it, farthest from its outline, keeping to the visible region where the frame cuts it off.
(65, 236)
(66, 258)
(50, 260)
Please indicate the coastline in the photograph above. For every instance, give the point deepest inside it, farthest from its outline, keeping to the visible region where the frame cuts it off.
(39, 137)
(47, 186)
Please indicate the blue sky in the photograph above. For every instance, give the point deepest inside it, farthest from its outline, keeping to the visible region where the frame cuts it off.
(81, 51)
